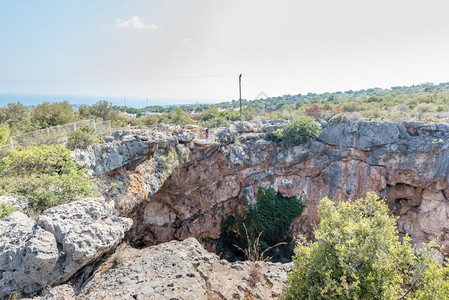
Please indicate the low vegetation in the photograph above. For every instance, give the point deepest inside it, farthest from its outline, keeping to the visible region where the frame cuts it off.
(6, 209)
(302, 129)
(82, 138)
(357, 254)
(44, 175)
(4, 134)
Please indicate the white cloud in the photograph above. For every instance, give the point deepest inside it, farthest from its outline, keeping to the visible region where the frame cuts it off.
(136, 23)
(185, 40)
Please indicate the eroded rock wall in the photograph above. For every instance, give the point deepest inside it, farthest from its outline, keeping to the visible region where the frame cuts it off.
(175, 189)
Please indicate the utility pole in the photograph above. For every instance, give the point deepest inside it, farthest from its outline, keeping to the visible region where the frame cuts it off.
(240, 96)
(125, 103)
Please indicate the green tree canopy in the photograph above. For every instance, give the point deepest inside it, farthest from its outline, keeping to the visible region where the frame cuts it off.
(357, 254)
(17, 116)
(51, 114)
(178, 116)
(103, 110)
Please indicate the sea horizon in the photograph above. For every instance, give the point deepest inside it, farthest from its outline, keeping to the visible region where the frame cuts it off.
(136, 102)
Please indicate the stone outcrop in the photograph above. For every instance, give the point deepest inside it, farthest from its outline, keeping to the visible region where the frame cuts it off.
(174, 189)
(34, 255)
(127, 147)
(182, 270)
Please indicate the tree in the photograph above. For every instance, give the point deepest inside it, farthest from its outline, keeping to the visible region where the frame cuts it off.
(52, 114)
(357, 254)
(17, 116)
(103, 110)
(179, 117)
(84, 112)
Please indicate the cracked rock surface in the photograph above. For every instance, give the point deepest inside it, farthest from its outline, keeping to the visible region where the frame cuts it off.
(182, 270)
(34, 255)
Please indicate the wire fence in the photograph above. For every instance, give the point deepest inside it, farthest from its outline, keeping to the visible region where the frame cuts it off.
(53, 135)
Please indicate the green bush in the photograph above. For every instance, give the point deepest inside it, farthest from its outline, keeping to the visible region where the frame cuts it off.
(272, 215)
(82, 138)
(45, 175)
(276, 136)
(6, 209)
(178, 116)
(301, 130)
(4, 134)
(357, 254)
(150, 120)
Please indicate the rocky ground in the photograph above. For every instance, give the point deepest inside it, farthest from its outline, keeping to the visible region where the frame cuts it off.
(182, 270)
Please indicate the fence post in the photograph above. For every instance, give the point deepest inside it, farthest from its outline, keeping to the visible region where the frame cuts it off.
(74, 126)
(11, 143)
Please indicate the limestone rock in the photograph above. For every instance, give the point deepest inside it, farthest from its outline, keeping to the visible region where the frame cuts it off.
(85, 230)
(65, 238)
(126, 147)
(60, 292)
(28, 254)
(14, 201)
(182, 270)
(399, 161)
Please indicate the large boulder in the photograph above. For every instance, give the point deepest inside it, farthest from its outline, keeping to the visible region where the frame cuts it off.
(84, 230)
(28, 254)
(65, 238)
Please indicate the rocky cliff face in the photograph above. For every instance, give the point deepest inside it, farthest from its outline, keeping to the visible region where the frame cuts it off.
(175, 189)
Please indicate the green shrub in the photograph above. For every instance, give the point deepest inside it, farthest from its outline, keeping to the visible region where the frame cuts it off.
(301, 130)
(82, 138)
(4, 134)
(272, 215)
(357, 254)
(178, 116)
(150, 120)
(276, 136)
(45, 175)
(6, 209)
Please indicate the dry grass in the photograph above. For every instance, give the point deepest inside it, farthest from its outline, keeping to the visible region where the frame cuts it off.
(255, 275)
(252, 252)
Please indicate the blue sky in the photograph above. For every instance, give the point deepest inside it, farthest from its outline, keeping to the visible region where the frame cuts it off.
(195, 49)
